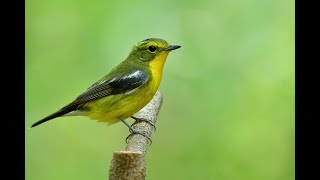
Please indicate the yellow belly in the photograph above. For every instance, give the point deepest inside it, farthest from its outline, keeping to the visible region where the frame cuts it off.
(111, 108)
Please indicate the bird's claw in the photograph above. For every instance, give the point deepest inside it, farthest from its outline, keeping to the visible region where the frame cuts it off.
(143, 120)
(143, 133)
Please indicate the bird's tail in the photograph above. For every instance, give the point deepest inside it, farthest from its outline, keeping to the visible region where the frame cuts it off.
(59, 113)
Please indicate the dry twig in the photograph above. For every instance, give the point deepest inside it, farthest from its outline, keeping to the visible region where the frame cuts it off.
(130, 164)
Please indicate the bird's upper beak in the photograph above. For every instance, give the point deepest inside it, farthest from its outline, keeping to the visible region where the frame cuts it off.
(172, 47)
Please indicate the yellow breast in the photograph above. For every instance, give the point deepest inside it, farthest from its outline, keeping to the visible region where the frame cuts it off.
(156, 67)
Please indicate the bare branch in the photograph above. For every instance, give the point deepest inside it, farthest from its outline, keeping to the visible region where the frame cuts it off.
(130, 164)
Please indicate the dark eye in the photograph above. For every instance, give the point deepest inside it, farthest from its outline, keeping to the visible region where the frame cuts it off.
(152, 48)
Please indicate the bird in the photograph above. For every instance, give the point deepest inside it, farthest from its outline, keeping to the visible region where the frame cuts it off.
(125, 90)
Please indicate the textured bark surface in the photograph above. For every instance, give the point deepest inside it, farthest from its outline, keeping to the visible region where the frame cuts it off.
(127, 165)
(130, 164)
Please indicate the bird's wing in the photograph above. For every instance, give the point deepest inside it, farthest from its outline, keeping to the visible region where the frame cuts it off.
(111, 86)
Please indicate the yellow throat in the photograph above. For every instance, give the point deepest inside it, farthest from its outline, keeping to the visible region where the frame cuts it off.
(156, 67)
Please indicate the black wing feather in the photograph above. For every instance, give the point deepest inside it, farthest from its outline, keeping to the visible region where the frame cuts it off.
(111, 87)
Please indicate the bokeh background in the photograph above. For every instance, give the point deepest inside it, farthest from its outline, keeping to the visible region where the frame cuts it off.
(228, 109)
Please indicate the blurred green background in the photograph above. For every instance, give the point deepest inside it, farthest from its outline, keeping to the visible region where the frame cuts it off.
(228, 109)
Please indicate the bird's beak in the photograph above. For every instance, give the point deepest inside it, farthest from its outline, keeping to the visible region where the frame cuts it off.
(172, 47)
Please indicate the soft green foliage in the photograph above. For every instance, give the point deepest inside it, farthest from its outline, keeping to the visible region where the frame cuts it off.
(228, 110)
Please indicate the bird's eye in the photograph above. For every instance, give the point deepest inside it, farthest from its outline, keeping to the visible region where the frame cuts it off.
(152, 48)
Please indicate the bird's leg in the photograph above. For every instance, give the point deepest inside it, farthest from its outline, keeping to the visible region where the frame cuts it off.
(135, 131)
(142, 119)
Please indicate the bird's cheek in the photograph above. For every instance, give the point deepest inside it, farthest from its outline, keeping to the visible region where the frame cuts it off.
(145, 56)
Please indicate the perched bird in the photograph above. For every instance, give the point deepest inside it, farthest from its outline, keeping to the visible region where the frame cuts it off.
(125, 90)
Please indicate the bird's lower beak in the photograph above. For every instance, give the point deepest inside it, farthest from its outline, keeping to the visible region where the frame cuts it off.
(172, 47)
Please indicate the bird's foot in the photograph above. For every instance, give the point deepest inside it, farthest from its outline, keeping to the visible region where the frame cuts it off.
(138, 120)
(135, 131)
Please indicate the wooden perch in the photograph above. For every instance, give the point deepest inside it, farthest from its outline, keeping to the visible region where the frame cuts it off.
(130, 164)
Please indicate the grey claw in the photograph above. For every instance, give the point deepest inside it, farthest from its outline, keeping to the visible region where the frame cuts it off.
(143, 133)
(145, 120)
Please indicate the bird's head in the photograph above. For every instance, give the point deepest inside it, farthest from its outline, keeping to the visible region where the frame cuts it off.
(150, 49)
